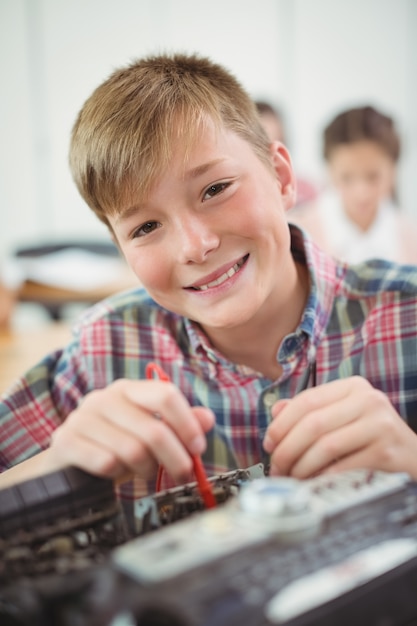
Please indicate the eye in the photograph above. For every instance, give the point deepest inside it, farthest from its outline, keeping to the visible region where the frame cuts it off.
(145, 229)
(214, 190)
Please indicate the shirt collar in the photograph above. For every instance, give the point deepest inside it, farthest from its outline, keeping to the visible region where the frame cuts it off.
(326, 282)
(198, 339)
(326, 277)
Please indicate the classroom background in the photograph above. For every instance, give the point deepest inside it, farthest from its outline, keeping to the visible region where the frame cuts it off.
(310, 57)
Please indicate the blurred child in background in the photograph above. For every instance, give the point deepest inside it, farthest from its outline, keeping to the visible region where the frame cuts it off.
(357, 217)
(273, 123)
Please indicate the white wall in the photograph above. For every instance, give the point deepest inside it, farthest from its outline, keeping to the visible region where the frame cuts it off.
(350, 53)
(313, 57)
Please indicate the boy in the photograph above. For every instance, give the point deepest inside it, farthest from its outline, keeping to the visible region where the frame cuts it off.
(238, 308)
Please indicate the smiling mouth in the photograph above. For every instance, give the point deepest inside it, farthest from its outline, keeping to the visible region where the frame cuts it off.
(221, 279)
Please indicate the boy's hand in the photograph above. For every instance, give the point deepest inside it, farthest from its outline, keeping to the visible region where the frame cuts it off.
(132, 427)
(338, 426)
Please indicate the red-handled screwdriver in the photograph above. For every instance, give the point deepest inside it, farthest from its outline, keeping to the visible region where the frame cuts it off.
(153, 370)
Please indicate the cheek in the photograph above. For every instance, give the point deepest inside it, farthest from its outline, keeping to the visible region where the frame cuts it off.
(386, 187)
(344, 189)
(150, 268)
(377, 189)
(257, 209)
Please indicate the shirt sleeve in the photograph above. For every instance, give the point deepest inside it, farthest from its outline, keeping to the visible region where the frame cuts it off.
(36, 404)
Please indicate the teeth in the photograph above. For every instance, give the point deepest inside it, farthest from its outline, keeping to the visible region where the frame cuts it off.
(221, 278)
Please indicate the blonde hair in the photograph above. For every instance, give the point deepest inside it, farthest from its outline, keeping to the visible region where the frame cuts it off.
(123, 137)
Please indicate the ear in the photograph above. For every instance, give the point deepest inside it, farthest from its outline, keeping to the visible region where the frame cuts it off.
(281, 162)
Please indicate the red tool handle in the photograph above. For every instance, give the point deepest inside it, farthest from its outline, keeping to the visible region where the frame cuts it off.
(204, 485)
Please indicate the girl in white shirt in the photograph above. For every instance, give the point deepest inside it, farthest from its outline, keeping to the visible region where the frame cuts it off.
(357, 217)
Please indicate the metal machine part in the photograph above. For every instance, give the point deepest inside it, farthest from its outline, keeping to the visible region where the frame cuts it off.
(172, 505)
(57, 533)
(276, 551)
(319, 552)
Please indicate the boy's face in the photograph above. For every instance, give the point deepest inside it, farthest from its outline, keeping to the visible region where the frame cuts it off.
(363, 173)
(211, 242)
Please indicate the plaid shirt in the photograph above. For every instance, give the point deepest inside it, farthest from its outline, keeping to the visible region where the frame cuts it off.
(358, 320)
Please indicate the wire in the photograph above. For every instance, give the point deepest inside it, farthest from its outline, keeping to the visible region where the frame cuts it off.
(204, 486)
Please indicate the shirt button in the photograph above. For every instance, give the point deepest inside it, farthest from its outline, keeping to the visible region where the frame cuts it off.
(269, 399)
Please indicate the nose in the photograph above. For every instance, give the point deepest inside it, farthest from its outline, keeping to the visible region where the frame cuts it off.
(363, 190)
(197, 238)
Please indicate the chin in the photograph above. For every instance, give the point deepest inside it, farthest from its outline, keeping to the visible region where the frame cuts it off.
(229, 322)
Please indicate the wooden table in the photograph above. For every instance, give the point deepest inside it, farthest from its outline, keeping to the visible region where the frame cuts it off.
(21, 349)
(54, 298)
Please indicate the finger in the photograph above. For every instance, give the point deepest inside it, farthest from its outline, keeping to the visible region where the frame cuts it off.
(305, 403)
(359, 460)
(306, 432)
(165, 399)
(84, 453)
(136, 438)
(137, 452)
(205, 417)
(333, 448)
(346, 399)
(278, 407)
(391, 446)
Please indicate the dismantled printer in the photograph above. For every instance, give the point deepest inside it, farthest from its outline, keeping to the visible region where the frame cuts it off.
(328, 550)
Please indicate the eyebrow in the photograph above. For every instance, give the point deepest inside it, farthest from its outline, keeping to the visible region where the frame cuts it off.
(195, 172)
(203, 168)
(126, 213)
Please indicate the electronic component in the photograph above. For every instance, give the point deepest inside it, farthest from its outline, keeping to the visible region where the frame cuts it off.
(171, 505)
(56, 535)
(275, 551)
(333, 549)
